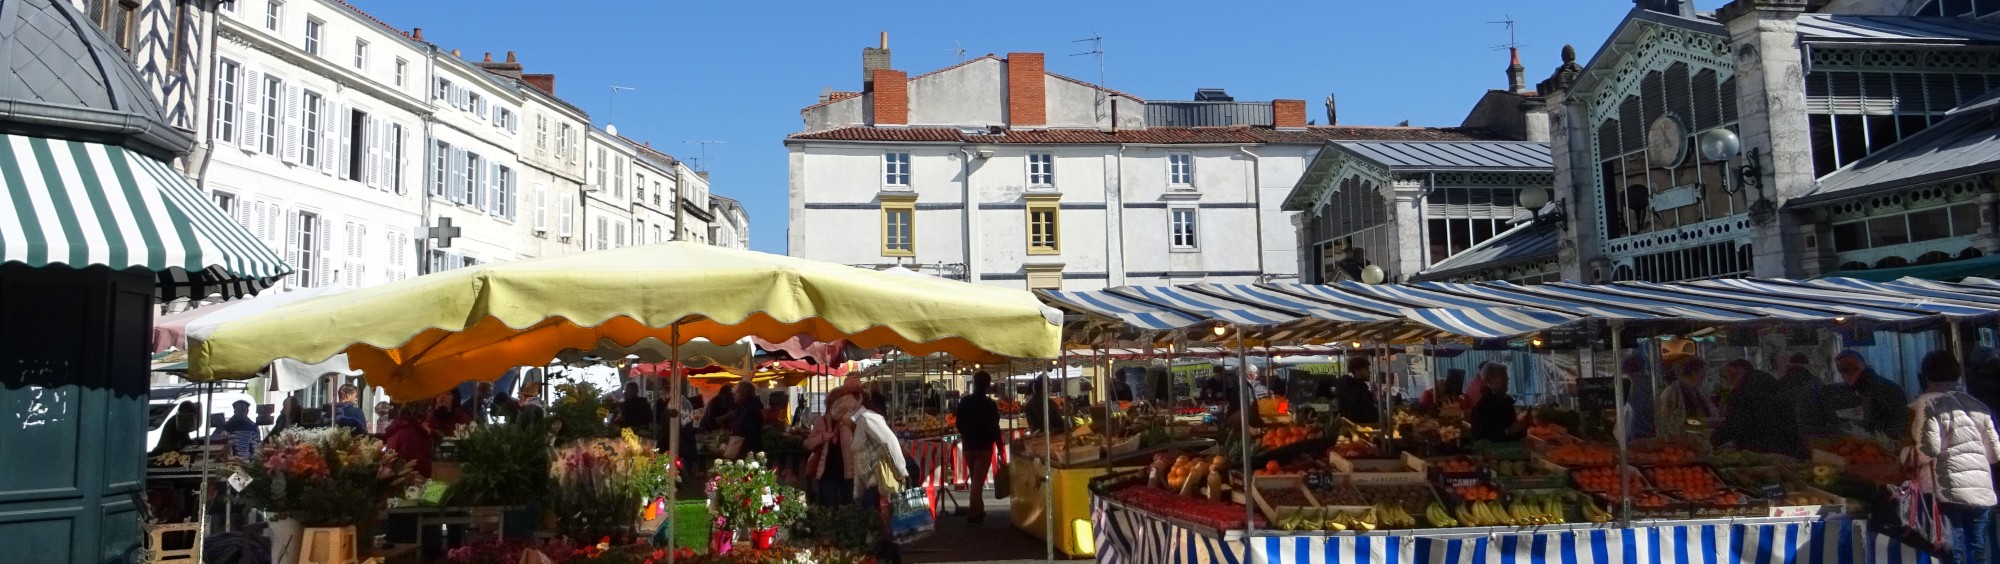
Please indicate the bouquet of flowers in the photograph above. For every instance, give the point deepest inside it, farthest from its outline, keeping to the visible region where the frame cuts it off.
(746, 494)
(324, 477)
(592, 485)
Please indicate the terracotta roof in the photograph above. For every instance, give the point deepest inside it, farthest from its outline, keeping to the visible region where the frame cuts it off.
(834, 96)
(1154, 135)
(371, 17)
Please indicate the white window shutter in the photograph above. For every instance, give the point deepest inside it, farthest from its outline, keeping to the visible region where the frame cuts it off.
(326, 237)
(541, 208)
(494, 204)
(565, 217)
(242, 214)
(329, 139)
(345, 166)
(292, 117)
(292, 239)
(457, 162)
(250, 131)
(371, 154)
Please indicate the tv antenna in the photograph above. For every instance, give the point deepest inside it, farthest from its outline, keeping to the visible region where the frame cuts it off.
(701, 162)
(1096, 49)
(612, 115)
(958, 49)
(1512, 43)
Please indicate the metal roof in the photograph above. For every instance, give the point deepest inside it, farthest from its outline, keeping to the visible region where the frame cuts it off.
(65, 75)
(1452, 155)
(1849, 28)
(1523, 243)
(1964, 144)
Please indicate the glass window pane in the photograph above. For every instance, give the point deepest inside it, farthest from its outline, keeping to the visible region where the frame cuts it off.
(1930, 224)
(1965, 219)
(1892, 230)
(1850, 236)
(1434, 235)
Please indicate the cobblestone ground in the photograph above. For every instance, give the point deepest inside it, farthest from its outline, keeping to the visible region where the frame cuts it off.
(996, 540)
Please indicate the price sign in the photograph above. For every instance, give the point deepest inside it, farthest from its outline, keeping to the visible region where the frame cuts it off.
(238, 481)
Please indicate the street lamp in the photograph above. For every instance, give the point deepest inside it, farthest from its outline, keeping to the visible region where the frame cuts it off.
(1373, 274)
(1534, 198)
(1719, 145)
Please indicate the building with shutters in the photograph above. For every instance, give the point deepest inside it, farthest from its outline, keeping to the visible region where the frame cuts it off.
(343, 142)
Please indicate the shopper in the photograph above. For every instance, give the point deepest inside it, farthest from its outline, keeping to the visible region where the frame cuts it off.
(978, 432)
(716, 416)
(880, 470)
(1758, 417)
(1443, 400)
(290, 415)
(830, 467)
(479, 406)
(746, 423)
(348, 413)
(1955, 449)
(410, 437)
(634, 413)
(1040, 409)
(242, 431)
(531, 407)
(1982, 376)
(1354, 396)
(1494, 418)
(1685, 409)
(1862, 403)
(446, 417)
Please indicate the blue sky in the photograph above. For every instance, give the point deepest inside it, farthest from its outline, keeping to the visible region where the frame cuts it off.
(737, 71)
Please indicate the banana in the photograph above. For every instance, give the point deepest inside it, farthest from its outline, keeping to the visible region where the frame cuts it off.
(1437, 517)
(1465, 516)
(1555, 509)
(1367, 521)
(1520, 513)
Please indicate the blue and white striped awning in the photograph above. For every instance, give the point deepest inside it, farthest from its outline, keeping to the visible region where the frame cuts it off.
(1685, 311)
(1503, 292)
(1475, 321)
(1137, 314)
(1793, 290)
(1755, 311)
(1279, 300)
(88, 204)
(1804, 305)
(1211, 307)
(1910, 288)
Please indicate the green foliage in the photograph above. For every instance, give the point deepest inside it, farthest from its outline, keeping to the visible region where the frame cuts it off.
(505, 464)
(579, 414)
(746, 495)
(591, 488)
(839, 525)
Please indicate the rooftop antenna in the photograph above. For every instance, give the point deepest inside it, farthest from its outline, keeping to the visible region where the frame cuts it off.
(958, 49)
(1511, 42)
(1096, 49)
(701, 162)
(612, 116)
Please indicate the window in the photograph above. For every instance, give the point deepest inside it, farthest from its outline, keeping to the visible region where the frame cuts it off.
(898, 229)
(228, 75)
(621, 235)
(1183, 224)
(402, 70)
(505, 119)
(656, 193)
(356, 263)
(562, 143)
(358, 145)
(273, 116)
(896, 169)
(470, 193)
(639, 187)
(306, 246)
(541, 133)
(476, 104)
(274, 12)
(1041, 169)
(565, 219)
(393, 178)
(1851, 114)
(656, 234)
(399, 256)
(115, 18)
(541, 209)
(503, 192)
(1043, 236)
(312, 127)
(602, 167)
(1180, 169)
(314, 28)
(440, 170)
(603, 233)
(361, 55)
(618, 178)
(444, 90)
(224, 201)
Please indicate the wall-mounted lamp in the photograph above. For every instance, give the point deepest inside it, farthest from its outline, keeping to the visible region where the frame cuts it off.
(983, 152)
(1373, 274)
(1721, 144)
(1536, 198)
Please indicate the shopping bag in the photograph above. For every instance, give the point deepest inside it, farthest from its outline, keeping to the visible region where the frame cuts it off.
(1003, 481)
(1918, 521)
(910, 516)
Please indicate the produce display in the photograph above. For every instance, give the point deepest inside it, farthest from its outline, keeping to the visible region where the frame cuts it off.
(1519, 469)
(1859, 451)
(1695, 482)
(1664, 455)
(1285, 496)
(1582, 455)
(1219, 515)
(1279, 437)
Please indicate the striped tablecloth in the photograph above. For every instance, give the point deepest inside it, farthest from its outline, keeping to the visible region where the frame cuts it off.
(1126, 535)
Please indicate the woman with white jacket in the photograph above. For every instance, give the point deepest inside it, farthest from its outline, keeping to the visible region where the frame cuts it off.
(1956, 446)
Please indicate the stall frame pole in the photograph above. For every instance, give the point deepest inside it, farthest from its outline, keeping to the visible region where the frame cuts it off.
(1049, 462)
(674, 434)
(1621, 428)
(1243, 422)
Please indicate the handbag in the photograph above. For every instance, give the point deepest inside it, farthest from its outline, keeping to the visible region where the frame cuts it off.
(1003, 480)
(1919, 521)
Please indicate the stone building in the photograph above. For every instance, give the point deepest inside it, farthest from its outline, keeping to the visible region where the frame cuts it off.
(1779, 138)
(1000, 172)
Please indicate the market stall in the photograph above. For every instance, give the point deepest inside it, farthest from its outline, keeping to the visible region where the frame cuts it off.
(1414, 487)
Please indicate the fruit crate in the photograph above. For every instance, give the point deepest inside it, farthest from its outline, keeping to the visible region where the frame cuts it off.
(1413, 498)
(1711, 508)
(1533, 473)
(1674, 508)
(1874, 468)
(1566, 498)
(1405, 469)
(1455, 471)
(1265, 489)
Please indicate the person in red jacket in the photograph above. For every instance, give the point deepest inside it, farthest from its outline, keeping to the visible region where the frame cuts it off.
(409, 436)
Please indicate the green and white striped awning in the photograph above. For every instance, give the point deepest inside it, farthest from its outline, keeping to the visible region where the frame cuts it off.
(88, 204)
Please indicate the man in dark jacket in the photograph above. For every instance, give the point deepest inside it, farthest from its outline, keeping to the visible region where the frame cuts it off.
(1862, 403)
(1760, 418)
(978, 432)
(1354, 397)
(1982, 376)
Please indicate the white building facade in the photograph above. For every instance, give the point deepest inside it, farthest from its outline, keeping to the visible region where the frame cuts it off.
(999, 172)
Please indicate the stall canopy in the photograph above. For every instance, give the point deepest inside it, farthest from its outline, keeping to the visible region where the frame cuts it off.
(89, 204)
(189, 328)
(420, 336)
(1461, 312)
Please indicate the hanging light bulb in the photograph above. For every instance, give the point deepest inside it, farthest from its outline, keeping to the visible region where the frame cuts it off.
(1219, 330)
(1356, 344)
(1537, 342)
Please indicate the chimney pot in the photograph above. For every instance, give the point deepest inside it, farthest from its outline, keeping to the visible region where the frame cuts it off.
(417, 33)
(510, 57)
(489, 57)
(455, 53)
(885, 41)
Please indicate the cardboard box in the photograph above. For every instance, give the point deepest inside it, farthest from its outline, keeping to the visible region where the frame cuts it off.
(1406, 469)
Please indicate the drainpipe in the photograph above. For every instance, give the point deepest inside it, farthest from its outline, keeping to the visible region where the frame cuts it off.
(971, 217)
(430, 144)
(1114, 238)
(208, 115)
(1257, 198)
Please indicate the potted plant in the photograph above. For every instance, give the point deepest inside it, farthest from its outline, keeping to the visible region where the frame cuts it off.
(322, 479)
(746, 495)
(505, 465)
(591, 486)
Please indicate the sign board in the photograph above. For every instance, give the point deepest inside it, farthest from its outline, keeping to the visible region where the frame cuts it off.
(1677, 197)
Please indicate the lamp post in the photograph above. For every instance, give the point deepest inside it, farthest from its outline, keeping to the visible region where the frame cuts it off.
(1720, 145)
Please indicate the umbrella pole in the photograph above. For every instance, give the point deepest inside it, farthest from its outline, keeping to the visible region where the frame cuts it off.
(1109, 389)
(1243, 408)
(207, 458)
(1048, 466)
(674, 437)
(1619, 425)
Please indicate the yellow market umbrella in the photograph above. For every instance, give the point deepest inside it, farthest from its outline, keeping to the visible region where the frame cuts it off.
(420, 336)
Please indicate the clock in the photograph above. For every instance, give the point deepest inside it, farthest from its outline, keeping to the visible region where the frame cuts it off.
(1666, 141)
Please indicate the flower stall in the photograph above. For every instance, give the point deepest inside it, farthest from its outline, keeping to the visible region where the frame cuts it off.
(321, 485)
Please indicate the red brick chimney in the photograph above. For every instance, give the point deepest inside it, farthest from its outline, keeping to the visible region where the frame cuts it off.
(1288, 113)
(1027, 104)
(543, 82)
(891, 96)
(417, 33)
